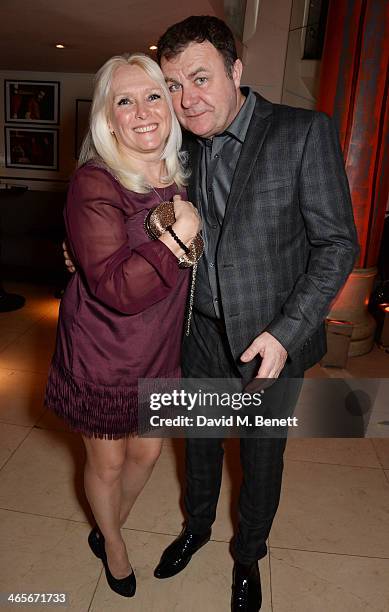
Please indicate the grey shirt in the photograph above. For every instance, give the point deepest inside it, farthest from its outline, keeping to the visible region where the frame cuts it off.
(219, 158)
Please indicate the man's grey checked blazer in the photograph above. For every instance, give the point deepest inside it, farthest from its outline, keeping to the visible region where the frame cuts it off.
(288, 240)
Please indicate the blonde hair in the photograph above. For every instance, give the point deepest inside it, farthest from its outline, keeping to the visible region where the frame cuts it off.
(100, 145)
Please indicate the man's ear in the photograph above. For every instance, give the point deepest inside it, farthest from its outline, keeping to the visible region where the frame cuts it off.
(237, 72)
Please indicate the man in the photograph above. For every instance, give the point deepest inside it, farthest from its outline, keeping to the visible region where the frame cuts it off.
(280, 242)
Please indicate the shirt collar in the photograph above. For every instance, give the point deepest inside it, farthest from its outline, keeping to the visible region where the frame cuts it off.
(239, 126)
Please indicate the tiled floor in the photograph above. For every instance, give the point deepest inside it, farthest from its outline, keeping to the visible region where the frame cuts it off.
(329, 546)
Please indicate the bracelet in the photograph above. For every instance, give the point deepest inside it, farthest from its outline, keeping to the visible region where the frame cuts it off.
(176, 238)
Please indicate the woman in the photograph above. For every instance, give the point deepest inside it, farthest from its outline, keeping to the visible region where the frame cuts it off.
(122, 314)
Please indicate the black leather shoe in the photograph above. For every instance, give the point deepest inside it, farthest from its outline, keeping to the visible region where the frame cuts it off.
(246, 588)
(179, 553)
(96, 542)
(125, 587)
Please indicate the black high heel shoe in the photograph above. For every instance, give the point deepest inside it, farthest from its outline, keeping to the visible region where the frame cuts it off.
(96, 542)
(125, 587)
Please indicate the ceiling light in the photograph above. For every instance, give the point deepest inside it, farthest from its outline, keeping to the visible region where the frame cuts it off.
(153, 48)
(59, 46)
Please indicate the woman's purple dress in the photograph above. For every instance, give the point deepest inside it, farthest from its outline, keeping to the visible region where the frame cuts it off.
(122, 314)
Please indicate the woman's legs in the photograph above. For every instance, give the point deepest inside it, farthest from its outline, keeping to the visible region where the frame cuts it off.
(115, 473)
(102, 479)
(141, 456)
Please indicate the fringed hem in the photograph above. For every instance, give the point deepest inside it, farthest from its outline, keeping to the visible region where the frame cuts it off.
(96, 411)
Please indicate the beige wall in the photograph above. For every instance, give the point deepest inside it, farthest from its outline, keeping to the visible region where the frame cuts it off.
(301, 79)
(264, 54)
(72, 86)
(272, 57)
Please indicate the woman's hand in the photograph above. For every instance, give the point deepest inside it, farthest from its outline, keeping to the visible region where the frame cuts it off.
(188, 222)
(187, 225)
(68, 260)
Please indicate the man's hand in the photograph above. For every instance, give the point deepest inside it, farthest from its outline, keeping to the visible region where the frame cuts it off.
(272, 352)
(68, 262)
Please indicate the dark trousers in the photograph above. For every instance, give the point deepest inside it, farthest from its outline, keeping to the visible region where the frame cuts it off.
(206, 355)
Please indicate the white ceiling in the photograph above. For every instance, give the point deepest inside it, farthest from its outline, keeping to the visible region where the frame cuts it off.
(92, 30)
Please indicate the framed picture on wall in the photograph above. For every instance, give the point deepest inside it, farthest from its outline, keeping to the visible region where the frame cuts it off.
(32, 148)
(31, 102)
(82, 122)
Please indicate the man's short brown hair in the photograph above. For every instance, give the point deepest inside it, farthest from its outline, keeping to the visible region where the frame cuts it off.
(199, 28)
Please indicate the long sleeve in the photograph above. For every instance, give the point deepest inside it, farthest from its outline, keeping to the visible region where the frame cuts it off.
(326, 209)
(125, 278)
